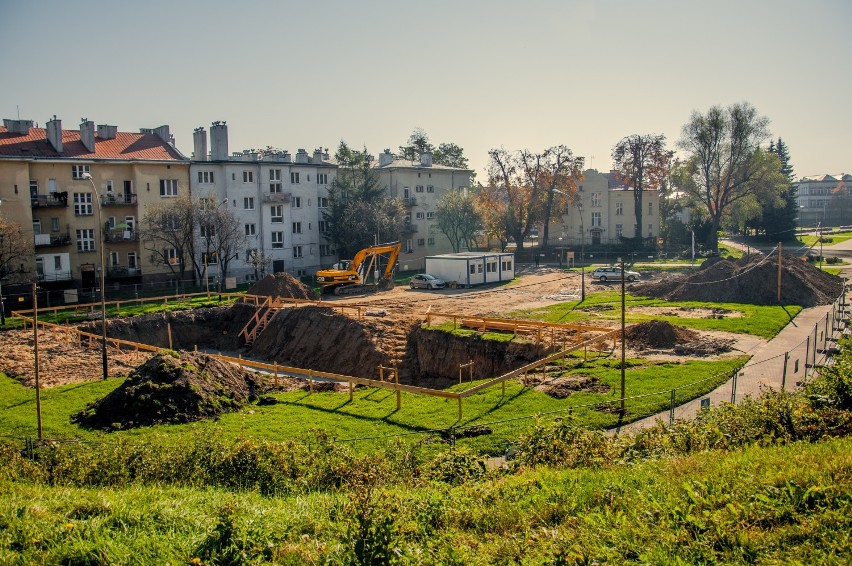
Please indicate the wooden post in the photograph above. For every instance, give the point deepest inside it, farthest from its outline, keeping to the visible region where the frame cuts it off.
(398, 392)
(195, 348)
(35, 356)
(169, 329)
(779, 272)
(351, 387)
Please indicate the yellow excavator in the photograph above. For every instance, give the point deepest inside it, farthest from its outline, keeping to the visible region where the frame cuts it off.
(353, 276)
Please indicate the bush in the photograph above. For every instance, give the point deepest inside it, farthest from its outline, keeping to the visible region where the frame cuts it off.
(456, 466)
(563, 443)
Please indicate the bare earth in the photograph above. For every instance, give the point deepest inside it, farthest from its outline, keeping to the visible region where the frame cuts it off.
(62, 361)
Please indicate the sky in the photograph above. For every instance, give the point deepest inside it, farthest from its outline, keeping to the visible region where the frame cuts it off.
(481, 74)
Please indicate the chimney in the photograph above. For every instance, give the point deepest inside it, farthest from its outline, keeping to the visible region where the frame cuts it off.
(385, 158)
(199, 144)
(106, 132)
(317, 158)
(54, 133)
(219, 141)
(301, 156)
(163, 133)
(286, 157)
(87, 134)
(18, 126)
(426, 159)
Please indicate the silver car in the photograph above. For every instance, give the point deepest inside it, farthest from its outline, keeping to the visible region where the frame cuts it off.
(426, 281)
(604, 274)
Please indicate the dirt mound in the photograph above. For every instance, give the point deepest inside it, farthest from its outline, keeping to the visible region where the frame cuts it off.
(282, 285)
(173, 388)
(655, 334)
(750, 280)
(567, 385)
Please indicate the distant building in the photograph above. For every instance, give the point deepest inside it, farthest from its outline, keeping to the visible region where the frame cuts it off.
(44, 186)
(420, 184)
(824, 199)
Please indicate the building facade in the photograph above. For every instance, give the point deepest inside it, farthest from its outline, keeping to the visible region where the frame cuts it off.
(420, 184)
(73, 189)
(824, 200)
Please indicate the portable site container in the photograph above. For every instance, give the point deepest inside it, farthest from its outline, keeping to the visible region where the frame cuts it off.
(466, 269)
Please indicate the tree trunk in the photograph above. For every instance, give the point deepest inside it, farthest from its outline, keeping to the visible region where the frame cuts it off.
(637, 205)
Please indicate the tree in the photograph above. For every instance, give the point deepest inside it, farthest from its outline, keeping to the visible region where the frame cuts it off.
(16, 250)
(530, 183)
(642, 162)
(779, 217)
(359, 214)
(451, 155)
(458, 218)
(221, 236)
(418, 143)
(725, 159)
(492, 207)
(168, 232)
(259, 261)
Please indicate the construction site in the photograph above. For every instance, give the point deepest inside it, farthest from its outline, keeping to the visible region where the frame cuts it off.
(399, 339)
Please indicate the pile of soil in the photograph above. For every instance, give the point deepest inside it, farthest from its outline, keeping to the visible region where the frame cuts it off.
(173, 388)
(655, 334)
(282, 285)
(751, 280)
(567, 385)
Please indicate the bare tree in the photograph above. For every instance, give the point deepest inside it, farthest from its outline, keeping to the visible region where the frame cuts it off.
(642, 162)
(168, 232)
(457, 218)
(725, 159)
(221, 235)
(16, 252)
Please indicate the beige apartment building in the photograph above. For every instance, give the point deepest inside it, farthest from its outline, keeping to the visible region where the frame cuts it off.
(54, 182)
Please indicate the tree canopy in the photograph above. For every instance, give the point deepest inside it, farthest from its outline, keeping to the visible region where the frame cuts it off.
(642, 162)
(447, 153)
(458, 218)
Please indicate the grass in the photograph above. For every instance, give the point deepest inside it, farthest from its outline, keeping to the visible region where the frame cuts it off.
(810, 240)
(777, 504)
(763, 321)
(373, 412)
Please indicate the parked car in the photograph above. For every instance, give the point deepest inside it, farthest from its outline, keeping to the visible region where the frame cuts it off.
(604, 274)
(426, 281)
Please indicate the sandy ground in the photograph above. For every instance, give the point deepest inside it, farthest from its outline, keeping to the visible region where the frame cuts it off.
(62, 361)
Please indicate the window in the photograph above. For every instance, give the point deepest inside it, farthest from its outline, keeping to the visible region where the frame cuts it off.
(430, 215)
(596, 220)
(275, 187)
(420, 215)
(421, 241)
(131, 222)
(250, 229)
(322, 178)
(275, 174)
(109, 185)
(596, 199)
(619, 209)
(205, 176)
(506, 264)
(277, 240)
(322, 202)
(33, 188)
(248, 176)
(650, 230)
(301, 273)
(297, 227)
(491, 267)
(248, 203)
(113, 259)
(36, 226)
(418, 189)
(277, 213)
(82, 204)
(171, 255)
(472, 269)
(430, 189)
(297, 252)
(208, 231)
(408, 246)
(77, 171)
(54, 224)
(323, 226)
(209, 259)
(619, 229)
(172, 223)
(294, 177)
(650, 208)
(325, 249)
(168, 187)
(297, 202)
(85, 240)
(430, 242)
(131, 260)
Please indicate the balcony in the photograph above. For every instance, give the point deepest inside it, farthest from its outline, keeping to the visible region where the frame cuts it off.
(54, 276)
(409, 228)
(408, 202)
(49, 200)
(47, 240)
(111, 199)
(116, 235)
(278, 198)
(120, 272)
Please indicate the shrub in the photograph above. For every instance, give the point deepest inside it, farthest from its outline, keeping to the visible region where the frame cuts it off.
(563, 443)
(455, 466)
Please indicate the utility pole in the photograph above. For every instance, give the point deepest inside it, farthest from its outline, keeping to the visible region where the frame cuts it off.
(35, 358)
(623, 336)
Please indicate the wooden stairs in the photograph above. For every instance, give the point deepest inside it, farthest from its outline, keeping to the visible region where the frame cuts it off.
(264, 314)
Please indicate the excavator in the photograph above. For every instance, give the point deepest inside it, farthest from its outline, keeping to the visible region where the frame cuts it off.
(348, 277)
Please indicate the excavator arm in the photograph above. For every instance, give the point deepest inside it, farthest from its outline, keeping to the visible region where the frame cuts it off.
(342, 281)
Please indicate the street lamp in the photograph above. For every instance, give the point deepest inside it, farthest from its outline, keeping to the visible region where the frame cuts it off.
(103, 283)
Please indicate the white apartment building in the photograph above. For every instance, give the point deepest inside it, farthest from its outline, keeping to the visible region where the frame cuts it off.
(824, 199)
(603, 213)
(420, 184)
(277, 198)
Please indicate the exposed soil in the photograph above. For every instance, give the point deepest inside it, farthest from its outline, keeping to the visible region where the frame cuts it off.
(751, 280)
(566, 385)
(662, 335)
(171, 389)
(282, 285)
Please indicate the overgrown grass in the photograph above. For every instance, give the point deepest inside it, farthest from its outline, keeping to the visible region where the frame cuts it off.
(764, 321)
(450, 328)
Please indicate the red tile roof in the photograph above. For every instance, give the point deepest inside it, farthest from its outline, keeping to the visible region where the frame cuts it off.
(125, 145)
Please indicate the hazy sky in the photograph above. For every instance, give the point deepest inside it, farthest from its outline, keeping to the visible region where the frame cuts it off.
(482, 74)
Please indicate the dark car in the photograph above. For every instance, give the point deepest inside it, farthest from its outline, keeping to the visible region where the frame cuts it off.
(426, 281)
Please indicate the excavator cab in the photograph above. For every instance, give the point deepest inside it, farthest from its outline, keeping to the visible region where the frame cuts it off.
(353, 276)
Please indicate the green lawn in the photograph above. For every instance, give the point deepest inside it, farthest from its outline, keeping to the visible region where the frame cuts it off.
(373, 412)
(763, 321)
(810, 240)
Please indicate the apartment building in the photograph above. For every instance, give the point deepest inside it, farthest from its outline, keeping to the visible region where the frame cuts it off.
(420, 184)
(824, 199)
(278, 199)
(604, 212)
(74, 188)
